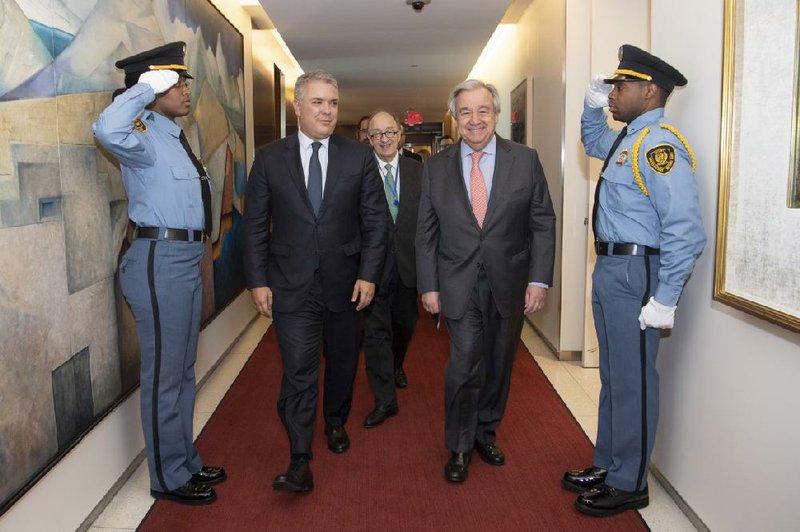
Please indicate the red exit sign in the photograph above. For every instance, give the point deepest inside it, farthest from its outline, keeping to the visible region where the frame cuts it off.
(413, 118)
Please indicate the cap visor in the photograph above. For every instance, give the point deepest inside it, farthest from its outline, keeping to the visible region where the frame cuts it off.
(621, 77)
(184, 74)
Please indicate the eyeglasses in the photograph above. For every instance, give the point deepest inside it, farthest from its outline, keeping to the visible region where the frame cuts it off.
(389, 134)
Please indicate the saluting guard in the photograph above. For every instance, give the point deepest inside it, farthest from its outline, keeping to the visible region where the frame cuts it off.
(169, 200)
(648, 235)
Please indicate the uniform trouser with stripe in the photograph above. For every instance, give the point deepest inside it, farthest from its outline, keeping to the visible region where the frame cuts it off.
(303, 336)
(628, 409)
(477, 377)
(161, 282)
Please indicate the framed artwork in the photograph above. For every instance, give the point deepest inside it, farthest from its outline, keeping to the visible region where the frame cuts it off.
(521, 110)
(70, 352)
(757, 256)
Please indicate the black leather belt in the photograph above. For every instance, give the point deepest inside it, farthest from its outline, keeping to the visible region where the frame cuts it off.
(614, 248)
(167, 233)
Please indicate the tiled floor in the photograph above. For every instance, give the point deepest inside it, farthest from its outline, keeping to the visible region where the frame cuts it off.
(578, 387)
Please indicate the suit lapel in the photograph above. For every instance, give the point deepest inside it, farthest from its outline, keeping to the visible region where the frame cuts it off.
(333, 173)
(292, 158)
(502, 167)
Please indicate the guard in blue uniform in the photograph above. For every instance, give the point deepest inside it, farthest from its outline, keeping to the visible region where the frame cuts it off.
(648, 234)
(169, 200)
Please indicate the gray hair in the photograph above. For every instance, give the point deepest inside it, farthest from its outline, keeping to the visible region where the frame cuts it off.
(313, 75)
(470, 85)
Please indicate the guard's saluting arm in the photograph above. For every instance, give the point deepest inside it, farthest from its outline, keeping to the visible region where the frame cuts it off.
(114, 129)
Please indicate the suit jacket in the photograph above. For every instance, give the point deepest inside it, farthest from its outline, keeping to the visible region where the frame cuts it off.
(285, 244)
(403, 232)
(515, 246)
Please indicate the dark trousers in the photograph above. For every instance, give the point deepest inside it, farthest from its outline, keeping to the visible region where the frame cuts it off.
(477, 377)
(161, 282)
(388, 327)
(628, 408)
(303, 336)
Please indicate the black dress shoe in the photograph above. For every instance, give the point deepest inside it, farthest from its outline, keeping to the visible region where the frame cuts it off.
(190, 493)
(456, 468)
(210, 476)
(400, 378)
(580, 480)
(379, 415)
(338, 441)
(490, 453)
(604, 500)
(297, 478)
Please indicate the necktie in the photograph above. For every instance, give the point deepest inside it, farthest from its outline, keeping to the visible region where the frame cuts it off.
(596, 206)
(315, 179)
(477, 189)
(390, 187)
(205, 188)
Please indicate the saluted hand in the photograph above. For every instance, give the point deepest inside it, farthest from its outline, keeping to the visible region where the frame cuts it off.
(597, 92)
(160, 80)
(363, 292)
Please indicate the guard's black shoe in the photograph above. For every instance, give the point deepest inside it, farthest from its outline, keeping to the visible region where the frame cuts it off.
(580, 480)
(379, 415)
(400, 378)
(490, 453)
(192, 492)
(604, 500)
(210, 476)
(456, 468)
(297, 478)
(338, 440)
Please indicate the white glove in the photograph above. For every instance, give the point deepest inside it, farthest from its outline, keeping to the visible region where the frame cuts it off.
(160, 80)
(597, 92)
(656, 315)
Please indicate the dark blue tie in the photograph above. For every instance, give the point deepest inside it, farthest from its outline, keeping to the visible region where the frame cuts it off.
(315, 179)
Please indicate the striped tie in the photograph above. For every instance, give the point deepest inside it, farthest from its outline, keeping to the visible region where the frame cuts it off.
(477, 189)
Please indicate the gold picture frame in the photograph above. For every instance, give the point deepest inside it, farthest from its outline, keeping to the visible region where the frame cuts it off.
(756, 256)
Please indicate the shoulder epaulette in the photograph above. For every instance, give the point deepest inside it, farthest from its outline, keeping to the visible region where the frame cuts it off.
(674, 131)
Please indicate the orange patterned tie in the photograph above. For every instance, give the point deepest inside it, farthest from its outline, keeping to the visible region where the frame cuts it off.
(477, 189)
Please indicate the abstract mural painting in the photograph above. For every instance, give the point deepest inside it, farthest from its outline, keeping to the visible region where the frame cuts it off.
(69, 351)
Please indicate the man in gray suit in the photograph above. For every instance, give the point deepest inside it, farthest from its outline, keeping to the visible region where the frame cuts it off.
(485, 250)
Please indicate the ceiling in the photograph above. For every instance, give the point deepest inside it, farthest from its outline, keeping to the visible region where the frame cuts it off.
(386, 55)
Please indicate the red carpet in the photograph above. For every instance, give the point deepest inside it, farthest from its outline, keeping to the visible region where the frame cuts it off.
(392, 476)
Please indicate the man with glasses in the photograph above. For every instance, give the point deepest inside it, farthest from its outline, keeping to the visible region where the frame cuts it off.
(485, 251)
(392, 316)
(169, 200)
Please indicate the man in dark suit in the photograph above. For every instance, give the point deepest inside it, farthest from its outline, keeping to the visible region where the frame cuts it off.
(392, 316)
(485, 251)
(315, 229)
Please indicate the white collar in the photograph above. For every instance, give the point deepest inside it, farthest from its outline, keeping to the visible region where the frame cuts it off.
(306, 141)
